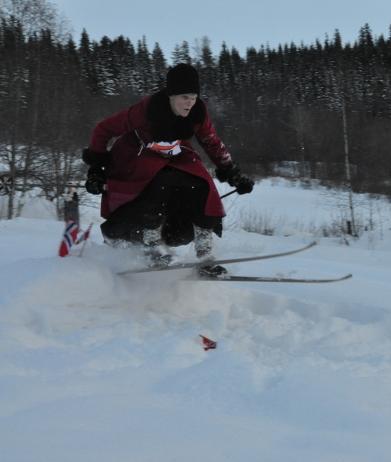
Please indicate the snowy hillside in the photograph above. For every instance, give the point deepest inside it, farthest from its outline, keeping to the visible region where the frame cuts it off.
(96, 367)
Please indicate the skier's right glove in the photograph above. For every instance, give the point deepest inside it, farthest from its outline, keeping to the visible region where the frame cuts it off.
(96, 159)
(96, 180)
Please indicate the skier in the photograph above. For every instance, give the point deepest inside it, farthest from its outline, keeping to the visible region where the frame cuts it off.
(155, 188)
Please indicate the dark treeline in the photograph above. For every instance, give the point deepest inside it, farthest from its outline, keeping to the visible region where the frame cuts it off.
(270, 106)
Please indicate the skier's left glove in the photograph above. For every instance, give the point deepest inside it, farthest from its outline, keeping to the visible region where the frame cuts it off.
(233, 176)
(96, 180)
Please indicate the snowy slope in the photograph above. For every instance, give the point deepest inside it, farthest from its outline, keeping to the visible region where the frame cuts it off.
(98, 367)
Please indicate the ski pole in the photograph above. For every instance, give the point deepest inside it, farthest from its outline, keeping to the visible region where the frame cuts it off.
(228, 194)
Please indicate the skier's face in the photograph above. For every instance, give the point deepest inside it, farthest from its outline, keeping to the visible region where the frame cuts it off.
(181, 104)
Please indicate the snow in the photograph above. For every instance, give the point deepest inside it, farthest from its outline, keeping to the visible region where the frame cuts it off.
(100, 367)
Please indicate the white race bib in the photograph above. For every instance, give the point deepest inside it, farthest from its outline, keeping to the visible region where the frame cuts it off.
(166, 148)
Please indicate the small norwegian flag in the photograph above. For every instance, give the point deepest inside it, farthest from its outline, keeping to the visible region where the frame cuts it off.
(85, 235)
(208, 343)
(83, 238)
(68, 239)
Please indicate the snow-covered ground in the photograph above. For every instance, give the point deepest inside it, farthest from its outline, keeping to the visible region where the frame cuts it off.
(99, 367)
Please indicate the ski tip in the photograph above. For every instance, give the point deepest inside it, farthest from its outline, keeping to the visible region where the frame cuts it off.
(347, 276)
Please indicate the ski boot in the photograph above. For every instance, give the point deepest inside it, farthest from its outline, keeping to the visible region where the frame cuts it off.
(154, 250)
(116, 243)
(212, 271)
(203, 242)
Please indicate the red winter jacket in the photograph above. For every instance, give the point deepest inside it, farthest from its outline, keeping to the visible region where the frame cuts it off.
(133, 165)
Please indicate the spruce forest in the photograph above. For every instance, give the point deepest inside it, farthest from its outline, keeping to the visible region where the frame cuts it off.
(314, 108)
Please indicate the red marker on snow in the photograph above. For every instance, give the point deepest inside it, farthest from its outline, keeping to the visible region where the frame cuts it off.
(208, 343)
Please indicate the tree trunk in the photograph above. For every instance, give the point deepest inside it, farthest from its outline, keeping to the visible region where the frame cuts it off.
(347, 168)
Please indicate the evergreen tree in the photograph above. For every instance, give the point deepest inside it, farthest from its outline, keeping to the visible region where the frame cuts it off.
(124, 58)
(159, 67)
(207, 68)
(105, 68)
(144, 77)
(181, 54)
(88, 71)
(226, 75)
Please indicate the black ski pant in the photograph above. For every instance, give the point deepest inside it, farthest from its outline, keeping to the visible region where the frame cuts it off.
(171, 195)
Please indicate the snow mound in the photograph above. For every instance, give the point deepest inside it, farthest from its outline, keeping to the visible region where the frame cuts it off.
(95, 366)
(39, 207)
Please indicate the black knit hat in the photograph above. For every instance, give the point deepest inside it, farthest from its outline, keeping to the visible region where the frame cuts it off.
(182, 79)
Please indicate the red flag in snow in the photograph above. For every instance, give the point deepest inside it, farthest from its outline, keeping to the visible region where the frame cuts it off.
(68, 238)
(208, 343)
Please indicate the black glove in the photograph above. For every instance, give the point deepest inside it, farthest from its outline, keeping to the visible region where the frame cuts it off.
(233, 176)
(96, 180)
(96, 159)
(244, 185)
